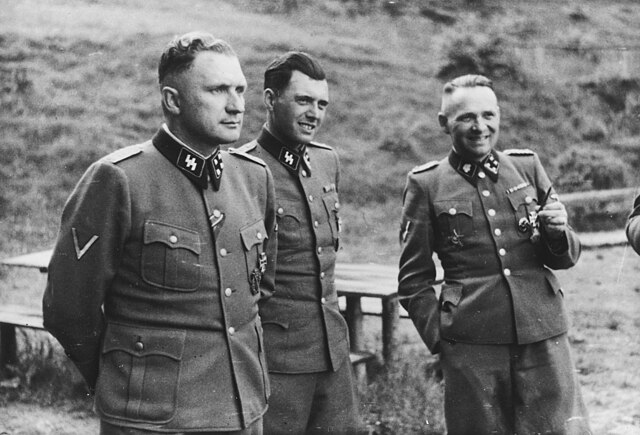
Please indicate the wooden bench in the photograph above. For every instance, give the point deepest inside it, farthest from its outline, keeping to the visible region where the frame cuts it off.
(353, 281)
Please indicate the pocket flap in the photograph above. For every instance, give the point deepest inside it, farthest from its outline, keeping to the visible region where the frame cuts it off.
(453, 207)
(331, 202)
(526, 196)
(141, 342)
(253, 234)
(451, 293)
(172, 236)
(552, 280)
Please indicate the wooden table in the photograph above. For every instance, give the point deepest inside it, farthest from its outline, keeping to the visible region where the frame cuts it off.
(353, 281)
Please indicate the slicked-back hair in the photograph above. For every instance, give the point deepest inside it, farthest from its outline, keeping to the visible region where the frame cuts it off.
(179, 54)
(466, 81)
(279, 71)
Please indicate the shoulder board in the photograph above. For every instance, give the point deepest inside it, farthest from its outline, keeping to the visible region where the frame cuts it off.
(248, 147)
(240, 153)
(518, 152)
(319, 145)
(425, 167)
(123, 154)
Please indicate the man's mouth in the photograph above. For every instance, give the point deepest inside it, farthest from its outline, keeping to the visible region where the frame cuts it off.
(307, 127)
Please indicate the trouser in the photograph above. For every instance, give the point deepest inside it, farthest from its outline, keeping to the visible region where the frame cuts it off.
(110, 429)
(312, 403)
(512, 389)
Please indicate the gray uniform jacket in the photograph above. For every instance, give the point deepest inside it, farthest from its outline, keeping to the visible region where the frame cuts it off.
(304, 330)
(145, 300)
(633, 226)
(498, 287)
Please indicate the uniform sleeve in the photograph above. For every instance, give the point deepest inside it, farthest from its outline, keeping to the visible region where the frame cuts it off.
(417, 268)
(94, 223)
(268, 282)
(633, 226)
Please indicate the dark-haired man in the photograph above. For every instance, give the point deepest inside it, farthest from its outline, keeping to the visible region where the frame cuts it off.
(164, 250)
(498, 228)
(306, 338)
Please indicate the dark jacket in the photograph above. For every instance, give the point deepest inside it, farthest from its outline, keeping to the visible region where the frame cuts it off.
(304, 330)
(497, 288)
(633, 226)
(143, 298)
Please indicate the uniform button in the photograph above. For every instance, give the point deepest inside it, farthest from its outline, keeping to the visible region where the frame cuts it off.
(139, 346)
(507, 272)
(280, 210)
(223, 252)
(227, 292)
(323, 301)
(491, 212)
(502, 252)
(337, 205)
(319, 249)
(528, 199)
(452, 211)
(321, 275)
(259, 236)
(216, 213)
(315, 224)
(304, 173)
(232, 330)
(310, 198)
(497, 231)
(173, 238)
(486, 193)
(481, 174)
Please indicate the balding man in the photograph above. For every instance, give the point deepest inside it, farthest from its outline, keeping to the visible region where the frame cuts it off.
(498, 228)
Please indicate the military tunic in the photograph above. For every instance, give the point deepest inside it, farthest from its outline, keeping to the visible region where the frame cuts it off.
(306, 337)
(154, 284)
(498, 287)
(633, 226)
(499, 322)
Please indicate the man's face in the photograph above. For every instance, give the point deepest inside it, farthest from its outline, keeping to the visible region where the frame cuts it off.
(297, 112)
(211, 99)
(472, 119)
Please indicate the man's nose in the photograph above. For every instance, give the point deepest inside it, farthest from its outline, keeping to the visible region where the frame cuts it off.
(235, 103)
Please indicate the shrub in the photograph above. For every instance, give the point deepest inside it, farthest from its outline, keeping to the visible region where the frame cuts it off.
(582, 168)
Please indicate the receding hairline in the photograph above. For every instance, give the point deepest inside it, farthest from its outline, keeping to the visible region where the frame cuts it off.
(469, 81)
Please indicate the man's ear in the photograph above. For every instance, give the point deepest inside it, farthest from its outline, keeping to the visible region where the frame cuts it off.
(171, 100)
(269, 97)
(443, 121)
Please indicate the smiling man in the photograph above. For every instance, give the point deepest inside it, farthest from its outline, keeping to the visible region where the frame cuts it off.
(499, 323)
(164, 250)
(306, 337)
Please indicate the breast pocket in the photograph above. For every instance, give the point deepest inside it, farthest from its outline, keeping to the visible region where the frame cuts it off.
(139, 373)
(253, 237)
(455, 220)
(170, 257)
(289, 225)
(524, 202)
(332, 206)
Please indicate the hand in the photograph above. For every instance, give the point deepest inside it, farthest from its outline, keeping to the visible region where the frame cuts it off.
(553, 218)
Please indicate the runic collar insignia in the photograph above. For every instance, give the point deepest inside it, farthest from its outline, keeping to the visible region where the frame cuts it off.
(471, 170)
(290, 158)
(192, 164)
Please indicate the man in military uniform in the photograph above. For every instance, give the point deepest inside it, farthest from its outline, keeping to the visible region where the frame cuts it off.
(306, 338)
(164, 250)
(633, 226)
(498, 228)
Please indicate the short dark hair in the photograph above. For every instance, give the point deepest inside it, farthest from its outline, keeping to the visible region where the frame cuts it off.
(279, 71)
(179, 54)
(467, 81)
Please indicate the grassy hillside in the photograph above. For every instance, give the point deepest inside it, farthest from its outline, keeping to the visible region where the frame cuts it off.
(77, 80)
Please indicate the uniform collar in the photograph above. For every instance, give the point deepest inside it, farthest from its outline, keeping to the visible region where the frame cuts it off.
(290, 158)
(192, 164)
(471, 170)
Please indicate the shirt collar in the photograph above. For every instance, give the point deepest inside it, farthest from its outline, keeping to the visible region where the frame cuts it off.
(291, 158)
(471, 171)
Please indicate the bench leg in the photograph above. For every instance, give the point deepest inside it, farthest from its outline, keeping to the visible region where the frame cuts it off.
(8, 347)
(354, 318)
(390, 320)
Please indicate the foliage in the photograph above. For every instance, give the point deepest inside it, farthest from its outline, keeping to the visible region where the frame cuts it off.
(583, 168)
